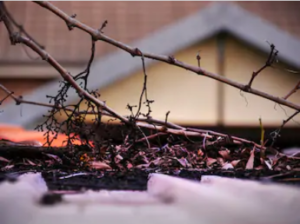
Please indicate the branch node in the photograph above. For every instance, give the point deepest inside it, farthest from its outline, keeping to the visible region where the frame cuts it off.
(136, 52)
(172, 59)
(246, 88)
(69, 23)
(15, 38)
(45, 57)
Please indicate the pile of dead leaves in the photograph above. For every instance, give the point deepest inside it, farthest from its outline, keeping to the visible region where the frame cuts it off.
(125, 157)
(193, 156)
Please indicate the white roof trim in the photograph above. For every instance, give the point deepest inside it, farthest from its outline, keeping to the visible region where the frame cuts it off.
(167, 41)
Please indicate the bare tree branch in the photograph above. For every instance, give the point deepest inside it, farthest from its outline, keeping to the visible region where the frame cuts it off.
(19, 38)
(162, 127)
(20, 27)
(272, 57)
(72, 22)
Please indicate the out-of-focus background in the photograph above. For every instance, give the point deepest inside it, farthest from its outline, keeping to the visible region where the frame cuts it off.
(232, 38)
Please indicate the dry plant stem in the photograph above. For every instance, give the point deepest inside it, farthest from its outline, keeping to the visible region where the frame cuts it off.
(236, 140)
(277, 132)
(290, 118)
(295, 89)
(96, 34)
(20, 101)
(272, 56)
(151, 137)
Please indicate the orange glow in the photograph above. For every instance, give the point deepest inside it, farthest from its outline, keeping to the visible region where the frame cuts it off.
(19, 134)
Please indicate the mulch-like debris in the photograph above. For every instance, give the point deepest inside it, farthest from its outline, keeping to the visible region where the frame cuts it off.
(116, 167)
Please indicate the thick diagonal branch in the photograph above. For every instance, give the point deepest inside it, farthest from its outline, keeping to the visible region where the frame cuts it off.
(96, 34)
(19, 38)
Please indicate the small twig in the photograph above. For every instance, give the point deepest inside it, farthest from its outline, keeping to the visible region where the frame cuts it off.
(151, 137)
(198, 57)
(103, 26)
(167, 114)
(295, 89)
(272, 56)
(262, 137)
(86, 72)
(144, 90)
(276, 134)
(262, 132)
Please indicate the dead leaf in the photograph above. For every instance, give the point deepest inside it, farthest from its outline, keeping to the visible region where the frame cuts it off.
(156, 161)
(210, 161)
(200, 153)
(85, 158)
(30, 162)
(4, 160)
(259, 168)
(118, 158)
(225, 154)
(250, 163)
(8, 167)
(234, 163)
(55, 157)
(268, 165)
(227, 166)
(99, 165)
(292, 152)
(129, 166)
(142, 166)
(221, 161)
(184, 162)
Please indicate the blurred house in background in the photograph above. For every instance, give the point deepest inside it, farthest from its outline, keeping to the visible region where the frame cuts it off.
(231, 37)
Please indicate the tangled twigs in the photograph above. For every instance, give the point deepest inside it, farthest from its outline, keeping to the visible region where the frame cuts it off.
(20, 27)
(276, 134)
(271, 59)
(198, 70)
(99, 107)
(85, 74)
(18, 38)
(165, 128)
(144, 91)
(19, 100)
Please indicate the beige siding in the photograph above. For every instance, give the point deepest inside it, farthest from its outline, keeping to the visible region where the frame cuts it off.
(190, 98)
(245, 109)
(193, 100)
